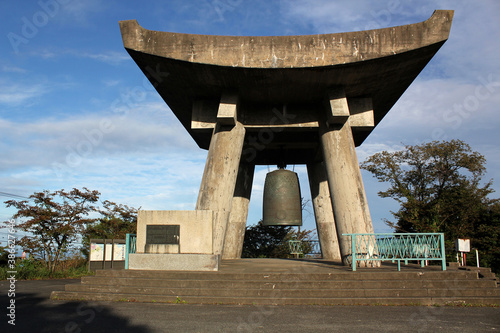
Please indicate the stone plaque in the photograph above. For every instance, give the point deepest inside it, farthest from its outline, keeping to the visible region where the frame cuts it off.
(162, 234)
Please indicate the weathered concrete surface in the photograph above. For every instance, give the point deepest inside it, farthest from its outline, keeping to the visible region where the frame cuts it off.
(219, 178)
(162, 248)
(195, 235)
(270, 72)
(347, 192)
(235, 233)
(323, 212)
(288, 51)
(174, 262)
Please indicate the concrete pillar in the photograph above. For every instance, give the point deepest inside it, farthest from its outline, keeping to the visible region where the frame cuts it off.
(219, 178)
(235, 232)
(323, 212)
(347, 192)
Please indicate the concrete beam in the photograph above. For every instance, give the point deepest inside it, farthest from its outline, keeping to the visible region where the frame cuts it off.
(291, 70)
(361, 113)
(205, 116)
(337, 111)
(228, 109)
(202, 115)
(287, 51)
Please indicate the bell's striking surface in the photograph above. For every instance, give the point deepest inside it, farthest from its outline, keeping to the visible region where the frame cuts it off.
(282, 205)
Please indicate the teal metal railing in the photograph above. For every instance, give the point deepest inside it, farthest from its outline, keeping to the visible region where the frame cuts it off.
(130, 246)
(298, 247)
(397, 247)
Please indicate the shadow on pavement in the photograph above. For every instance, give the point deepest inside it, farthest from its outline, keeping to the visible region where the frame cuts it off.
(38, 314)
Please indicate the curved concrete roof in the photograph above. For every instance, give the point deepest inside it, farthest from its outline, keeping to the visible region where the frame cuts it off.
(269, 72)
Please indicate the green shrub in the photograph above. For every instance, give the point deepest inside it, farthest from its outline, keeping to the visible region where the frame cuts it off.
(37, 270)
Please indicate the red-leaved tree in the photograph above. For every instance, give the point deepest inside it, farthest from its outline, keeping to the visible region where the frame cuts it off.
(51, 221)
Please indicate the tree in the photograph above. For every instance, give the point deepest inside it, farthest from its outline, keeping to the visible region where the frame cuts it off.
(439, 188)
(116, 221)
(262, 241)
(52, 221)
(272, 241)
(4, 256)
(304, 236)
(486, 237)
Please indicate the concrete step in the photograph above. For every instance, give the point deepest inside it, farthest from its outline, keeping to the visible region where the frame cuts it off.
(270, 282)
(282, 283)
(288, 293)
(364, 275)
(116, 297)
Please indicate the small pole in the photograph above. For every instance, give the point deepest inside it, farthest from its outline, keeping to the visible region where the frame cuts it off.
(353, 250)
(104, 254)
(477, 258)
(443, 253)
(127, 249)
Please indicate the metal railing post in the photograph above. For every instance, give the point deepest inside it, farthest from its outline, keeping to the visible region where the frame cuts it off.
(443, 255)
(353, 251)
(127, 248)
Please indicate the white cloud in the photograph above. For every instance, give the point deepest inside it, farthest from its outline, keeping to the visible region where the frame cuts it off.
(141, 159)
(45, 54)
(78, 12)
(16, 94)
(13, 69)
(70, 141)
(111, 83)
(109, 57)
(335, 16)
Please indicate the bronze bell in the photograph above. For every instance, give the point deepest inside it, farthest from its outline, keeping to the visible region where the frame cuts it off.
(282, 204)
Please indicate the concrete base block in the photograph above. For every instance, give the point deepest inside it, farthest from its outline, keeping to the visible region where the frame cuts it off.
(174, 262)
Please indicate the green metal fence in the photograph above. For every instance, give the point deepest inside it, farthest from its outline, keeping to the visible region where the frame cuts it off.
(397, 247)
(308, 247)
(130, 246)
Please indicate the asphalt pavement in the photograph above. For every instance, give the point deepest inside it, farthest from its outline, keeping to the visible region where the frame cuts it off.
(35, 312)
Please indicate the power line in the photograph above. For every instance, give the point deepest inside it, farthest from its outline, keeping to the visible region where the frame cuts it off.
(14, 196)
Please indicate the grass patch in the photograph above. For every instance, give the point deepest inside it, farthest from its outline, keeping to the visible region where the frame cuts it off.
(37, 270)
(178, 300)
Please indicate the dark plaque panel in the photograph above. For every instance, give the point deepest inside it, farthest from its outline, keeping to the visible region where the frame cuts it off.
(162, 234)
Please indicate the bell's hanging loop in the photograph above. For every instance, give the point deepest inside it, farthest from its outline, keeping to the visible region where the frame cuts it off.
(282, 200)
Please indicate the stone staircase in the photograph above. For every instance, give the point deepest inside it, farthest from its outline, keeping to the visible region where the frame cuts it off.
(417, 286)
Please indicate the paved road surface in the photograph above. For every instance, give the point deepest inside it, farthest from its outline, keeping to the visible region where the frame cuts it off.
(35, 312)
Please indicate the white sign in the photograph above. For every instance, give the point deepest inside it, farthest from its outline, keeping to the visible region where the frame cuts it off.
(119, 252)
(96, 252)
(109, 251)
(462, 245)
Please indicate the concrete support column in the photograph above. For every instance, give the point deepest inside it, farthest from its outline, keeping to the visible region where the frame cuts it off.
(219, 178)
(323, 212)
(235, 232)
(347, 192)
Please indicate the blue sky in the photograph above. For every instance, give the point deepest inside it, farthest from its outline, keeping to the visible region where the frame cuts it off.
(76, 111)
